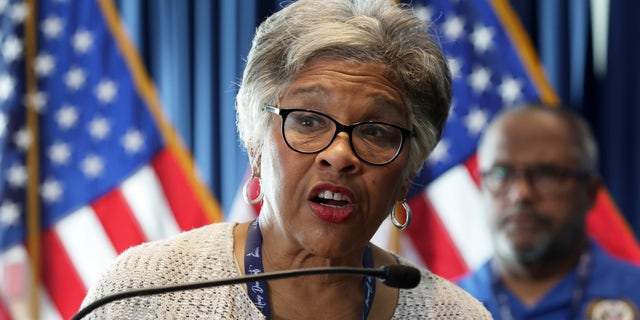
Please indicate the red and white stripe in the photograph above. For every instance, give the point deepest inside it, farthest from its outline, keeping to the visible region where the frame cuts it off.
(145, 207)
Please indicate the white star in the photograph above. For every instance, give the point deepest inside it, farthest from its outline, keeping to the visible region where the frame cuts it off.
(59, 153)
(476, 120)
(3, 124)
(22, 138)
(452, 109)
(6, 87)
(482, 38)
(75, 78)
(480, 79)
(82, 41)
(455, 66)
(3, 5)
(44, 64)
(133, 141)
(67, 116)
(453, 28)
(17, 176)
(510, 90)
(92, 166)
(9, 213)
(106, 91)
(424, 13)
(37, 101)
(440, 152)
(51, 26)
(99, 128)
(51, 190)
(12, 49)
(19, 12)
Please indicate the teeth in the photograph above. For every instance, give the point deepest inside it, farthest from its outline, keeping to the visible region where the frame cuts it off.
(330, 195)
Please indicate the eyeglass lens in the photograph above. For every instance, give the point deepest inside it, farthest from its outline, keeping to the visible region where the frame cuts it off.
(545, 179)
(310, 132)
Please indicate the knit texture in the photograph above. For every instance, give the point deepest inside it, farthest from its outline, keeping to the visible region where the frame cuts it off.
(206, 254)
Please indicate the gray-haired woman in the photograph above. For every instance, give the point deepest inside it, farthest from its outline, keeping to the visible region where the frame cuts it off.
(340, 104)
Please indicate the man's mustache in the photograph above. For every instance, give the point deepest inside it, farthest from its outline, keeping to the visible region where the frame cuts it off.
(526, 211)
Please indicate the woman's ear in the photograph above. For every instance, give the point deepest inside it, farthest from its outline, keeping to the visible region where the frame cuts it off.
(255, 161)
(406, 186)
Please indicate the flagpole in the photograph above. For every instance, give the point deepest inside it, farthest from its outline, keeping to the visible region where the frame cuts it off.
(525, 50)
(147, 91)
(33, 204)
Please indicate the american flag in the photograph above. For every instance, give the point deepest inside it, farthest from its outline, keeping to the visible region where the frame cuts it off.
(494, 67)
(88, 165)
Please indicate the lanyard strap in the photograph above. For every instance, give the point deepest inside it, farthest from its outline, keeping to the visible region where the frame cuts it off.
(258, 289)
(582, 273)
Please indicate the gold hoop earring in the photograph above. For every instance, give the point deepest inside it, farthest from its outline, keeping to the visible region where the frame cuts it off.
(408, 216)
(245, 191)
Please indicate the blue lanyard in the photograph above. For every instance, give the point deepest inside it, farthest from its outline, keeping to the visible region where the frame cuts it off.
(258, 289)
(577, 295)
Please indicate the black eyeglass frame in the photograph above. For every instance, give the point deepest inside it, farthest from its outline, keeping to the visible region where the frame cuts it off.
(283, 113)
(558, 173)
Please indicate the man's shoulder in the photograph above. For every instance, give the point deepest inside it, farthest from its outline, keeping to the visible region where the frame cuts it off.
(477, 276)
(477, 282)
(604, 261)
(611, 276)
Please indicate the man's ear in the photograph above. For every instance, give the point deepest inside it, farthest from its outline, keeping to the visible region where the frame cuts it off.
(594, 183)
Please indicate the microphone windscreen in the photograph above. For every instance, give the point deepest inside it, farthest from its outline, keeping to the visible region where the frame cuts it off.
(400, 276)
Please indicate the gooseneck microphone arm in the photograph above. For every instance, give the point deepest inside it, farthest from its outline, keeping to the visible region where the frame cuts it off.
(397, 276)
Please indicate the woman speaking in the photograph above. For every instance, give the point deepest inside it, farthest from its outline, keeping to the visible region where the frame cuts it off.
(340, 104)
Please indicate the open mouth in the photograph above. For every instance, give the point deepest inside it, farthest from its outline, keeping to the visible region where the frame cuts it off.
(332, 199)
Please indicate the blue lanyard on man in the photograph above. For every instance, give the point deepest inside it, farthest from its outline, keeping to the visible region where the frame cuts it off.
(577, 296)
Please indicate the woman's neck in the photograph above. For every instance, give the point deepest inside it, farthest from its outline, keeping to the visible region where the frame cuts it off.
(327, 296)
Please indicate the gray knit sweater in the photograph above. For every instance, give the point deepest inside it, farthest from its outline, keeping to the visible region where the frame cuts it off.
(206, 254)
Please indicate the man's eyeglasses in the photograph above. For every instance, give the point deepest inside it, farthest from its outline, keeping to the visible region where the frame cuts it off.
(544, 179)
(308, 131)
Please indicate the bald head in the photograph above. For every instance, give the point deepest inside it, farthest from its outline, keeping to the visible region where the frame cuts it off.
(539, 121)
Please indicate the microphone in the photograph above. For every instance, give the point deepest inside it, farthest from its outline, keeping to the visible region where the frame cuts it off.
(395, 275)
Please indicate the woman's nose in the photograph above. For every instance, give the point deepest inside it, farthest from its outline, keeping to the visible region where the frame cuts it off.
(339, 155)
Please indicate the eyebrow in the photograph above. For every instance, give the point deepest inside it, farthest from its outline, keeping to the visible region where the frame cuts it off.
(319, 90)
(311, 90)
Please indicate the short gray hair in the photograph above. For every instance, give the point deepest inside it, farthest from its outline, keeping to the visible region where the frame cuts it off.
(355, 30)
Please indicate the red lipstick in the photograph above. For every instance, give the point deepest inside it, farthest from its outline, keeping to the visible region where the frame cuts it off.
(331, 203)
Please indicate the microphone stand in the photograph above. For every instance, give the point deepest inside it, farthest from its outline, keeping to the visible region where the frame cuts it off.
(398, 276)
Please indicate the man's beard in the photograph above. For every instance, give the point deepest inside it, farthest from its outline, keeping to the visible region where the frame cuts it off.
(536, 249)
(534, 252)
(547, 244)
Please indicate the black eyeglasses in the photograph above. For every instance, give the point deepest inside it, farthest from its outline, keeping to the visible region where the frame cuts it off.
(544, 179)
(308, 131)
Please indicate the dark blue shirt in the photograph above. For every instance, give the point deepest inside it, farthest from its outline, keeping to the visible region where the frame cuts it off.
(611, 286)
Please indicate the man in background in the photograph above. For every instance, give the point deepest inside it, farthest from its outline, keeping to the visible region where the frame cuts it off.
(539, 180)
